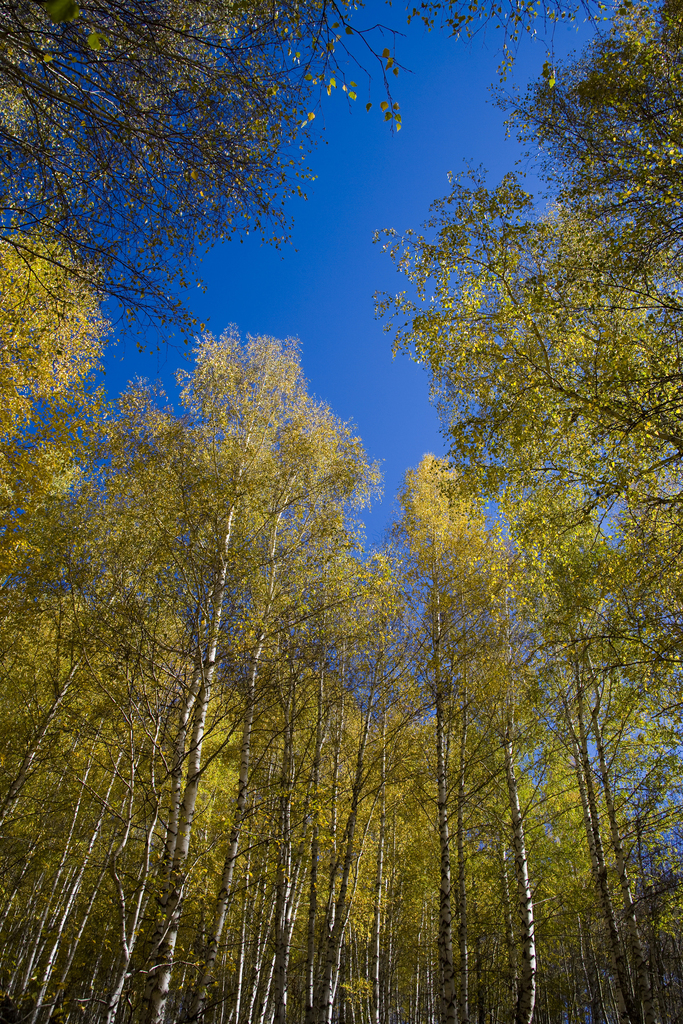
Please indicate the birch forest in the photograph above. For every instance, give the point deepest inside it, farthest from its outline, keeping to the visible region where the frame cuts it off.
(254, 770)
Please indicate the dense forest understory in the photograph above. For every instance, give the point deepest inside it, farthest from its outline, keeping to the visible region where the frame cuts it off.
(252, 772)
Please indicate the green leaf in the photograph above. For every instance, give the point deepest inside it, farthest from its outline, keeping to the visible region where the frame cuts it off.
(95, 40)
(62, 10)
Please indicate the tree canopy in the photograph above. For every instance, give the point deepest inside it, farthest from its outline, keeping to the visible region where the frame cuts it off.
(133, 135)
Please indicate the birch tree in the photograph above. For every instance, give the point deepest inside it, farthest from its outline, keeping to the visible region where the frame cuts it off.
(447, 561)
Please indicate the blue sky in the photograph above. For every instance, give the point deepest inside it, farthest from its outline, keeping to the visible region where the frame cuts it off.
(320, 287)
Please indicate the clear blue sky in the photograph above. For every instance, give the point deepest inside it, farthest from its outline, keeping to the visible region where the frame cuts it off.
(320, 287)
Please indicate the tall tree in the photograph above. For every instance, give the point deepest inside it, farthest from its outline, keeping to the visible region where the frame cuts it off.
(134, 134)
(447, 566)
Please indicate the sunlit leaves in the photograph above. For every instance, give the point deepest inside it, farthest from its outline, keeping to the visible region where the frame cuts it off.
(544, 372)
(51, 333)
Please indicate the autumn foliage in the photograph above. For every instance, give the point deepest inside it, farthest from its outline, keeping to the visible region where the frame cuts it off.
(253, 771)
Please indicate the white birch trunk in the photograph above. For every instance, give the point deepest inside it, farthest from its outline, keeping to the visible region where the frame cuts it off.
(129, 920)
(163, 948)
(15, 788)
(315, 858)
(526, 997)
(71, 898)
(283, 882)
(38, 946)
(206, 979)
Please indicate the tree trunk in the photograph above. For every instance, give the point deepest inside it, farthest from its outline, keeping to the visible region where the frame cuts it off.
(284, 880)
(642, 976)
(592, 822)
(338, 909)
(510, 945)
(38, 945)
(73, 893)
(198, 997)
(481, 992)
(315, 859)
(129, 921)
(462, 878)
(163, 945)
(526, 997)
(377, 916)
(9, 801)
(449, 1013)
